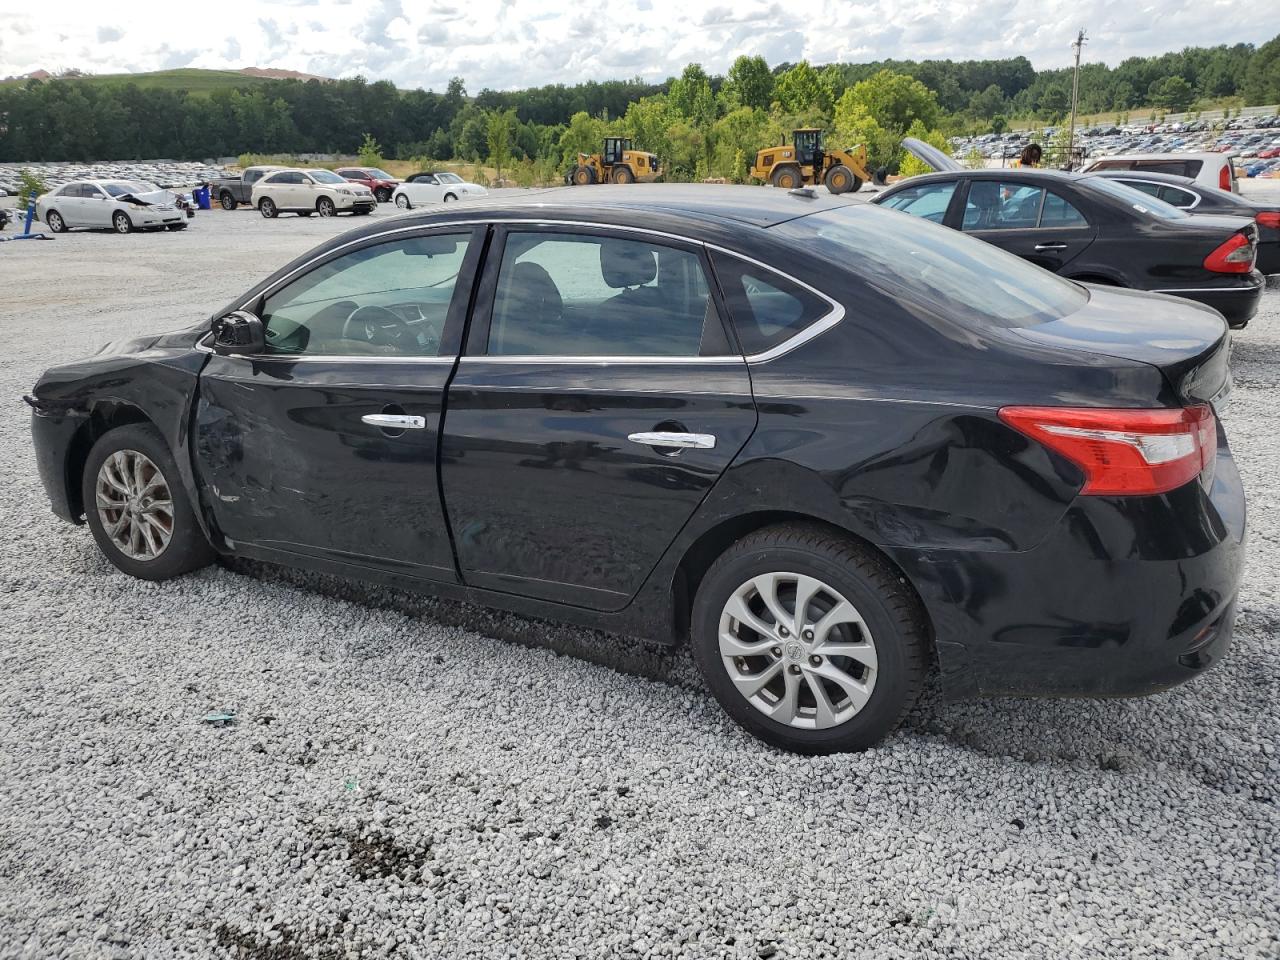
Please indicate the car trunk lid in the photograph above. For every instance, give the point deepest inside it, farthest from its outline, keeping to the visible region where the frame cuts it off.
(1187, 342)
(928, 153)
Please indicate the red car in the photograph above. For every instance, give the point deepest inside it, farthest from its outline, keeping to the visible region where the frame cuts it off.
(380, 182)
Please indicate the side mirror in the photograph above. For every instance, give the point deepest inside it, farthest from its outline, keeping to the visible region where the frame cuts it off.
(239, 332)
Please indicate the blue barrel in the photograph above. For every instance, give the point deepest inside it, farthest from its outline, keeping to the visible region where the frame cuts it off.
(201, 196)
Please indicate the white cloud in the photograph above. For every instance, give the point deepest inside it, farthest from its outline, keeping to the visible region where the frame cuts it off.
(506, 44)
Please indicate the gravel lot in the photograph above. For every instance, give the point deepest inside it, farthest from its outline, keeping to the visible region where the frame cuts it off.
(412, 778)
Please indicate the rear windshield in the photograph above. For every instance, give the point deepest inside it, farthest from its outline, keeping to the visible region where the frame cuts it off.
(1135, 198)
(960, 277)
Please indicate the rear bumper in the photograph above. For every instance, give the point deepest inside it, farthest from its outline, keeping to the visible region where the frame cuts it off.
(1237, 299)
(1128, 596)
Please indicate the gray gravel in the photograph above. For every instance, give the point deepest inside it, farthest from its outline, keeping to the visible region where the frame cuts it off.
(412, 778)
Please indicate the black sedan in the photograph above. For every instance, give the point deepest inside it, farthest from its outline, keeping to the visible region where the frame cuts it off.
(1199, 199)
(824, 442)
(1091, 229)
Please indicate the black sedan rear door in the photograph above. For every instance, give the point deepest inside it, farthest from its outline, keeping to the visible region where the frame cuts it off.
(1038, 222)
(598, 401)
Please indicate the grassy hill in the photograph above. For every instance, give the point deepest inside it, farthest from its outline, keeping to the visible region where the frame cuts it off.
(198, 82)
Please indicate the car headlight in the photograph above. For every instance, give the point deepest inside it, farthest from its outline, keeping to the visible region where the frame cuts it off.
(344, 190)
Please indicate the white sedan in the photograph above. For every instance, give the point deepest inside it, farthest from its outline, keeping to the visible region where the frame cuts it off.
(422, 188)
(119, 205)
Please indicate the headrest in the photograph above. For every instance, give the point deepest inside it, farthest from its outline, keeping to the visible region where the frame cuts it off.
(625, 263)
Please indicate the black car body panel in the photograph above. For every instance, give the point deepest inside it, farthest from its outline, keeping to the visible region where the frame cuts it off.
(1199, 199)
(1117, 242)
(522, 491)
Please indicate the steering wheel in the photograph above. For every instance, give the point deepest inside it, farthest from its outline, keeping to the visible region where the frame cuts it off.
(378, 325)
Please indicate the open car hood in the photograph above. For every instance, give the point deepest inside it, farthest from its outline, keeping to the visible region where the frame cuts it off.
(928, 153)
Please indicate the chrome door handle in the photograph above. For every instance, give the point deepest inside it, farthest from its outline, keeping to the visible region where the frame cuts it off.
(662, 438)
(392, 421)
(1051, 246)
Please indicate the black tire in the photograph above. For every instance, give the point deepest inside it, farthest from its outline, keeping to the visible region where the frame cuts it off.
(383, 195)
(227, 200)
(187, 548)
(582, 176)
(623, 174)
(53, 220)
(403, 202)
(267, 207)
(121, 223)
(449, 198)
(326, 207)
(890, 610)
(840, 179)
(787, 177)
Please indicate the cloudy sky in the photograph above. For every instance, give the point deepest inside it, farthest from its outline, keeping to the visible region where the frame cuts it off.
(506, 44)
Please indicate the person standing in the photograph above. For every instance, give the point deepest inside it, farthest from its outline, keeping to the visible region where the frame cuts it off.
(1031, 156)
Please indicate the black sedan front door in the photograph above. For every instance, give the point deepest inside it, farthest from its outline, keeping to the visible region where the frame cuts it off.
(597, 404)
(325, 445)
(1038, 224)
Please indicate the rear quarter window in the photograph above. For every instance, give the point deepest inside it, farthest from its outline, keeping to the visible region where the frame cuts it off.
(766, 308)
(954, 275)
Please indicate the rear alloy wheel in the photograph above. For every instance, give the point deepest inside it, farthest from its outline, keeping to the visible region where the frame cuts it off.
(325, 207)
(403, 202)
(808, 640)
(121, 223)
(227, 200)
(383, 195)
(787, 178)
(53, 220)
(137, 509)
(267, 207)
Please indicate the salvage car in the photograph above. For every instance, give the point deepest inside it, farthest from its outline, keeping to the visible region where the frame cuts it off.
(307, 191)
(825, 443)
(380, 183)
(1195, 198)
(1091, 229)
(429, 187)
(119, 205)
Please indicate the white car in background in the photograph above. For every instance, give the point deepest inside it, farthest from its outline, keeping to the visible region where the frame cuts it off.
(1210, 169)
(119, 205)
(306, 191)
(423, 188)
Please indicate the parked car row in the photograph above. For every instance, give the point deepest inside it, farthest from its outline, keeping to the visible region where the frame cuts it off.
(825, 443)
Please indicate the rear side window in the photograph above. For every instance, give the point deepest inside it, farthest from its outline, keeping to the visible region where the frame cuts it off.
(1181, 168)
(952, 275)
(1058, 212)
(1177, 196)
(994, 205)
(766, 309)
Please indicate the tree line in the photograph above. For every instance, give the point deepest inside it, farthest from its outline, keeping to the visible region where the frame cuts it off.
(701, 125)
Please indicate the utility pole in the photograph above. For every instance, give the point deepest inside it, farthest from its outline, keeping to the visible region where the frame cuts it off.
(1079, 43)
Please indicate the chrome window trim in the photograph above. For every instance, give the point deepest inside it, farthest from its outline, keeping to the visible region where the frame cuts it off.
(818, 327)
(1157, 183)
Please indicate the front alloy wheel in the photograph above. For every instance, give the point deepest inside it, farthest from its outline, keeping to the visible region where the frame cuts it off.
(121, 222)
(325, 207)
(402, 201)
(134, 505)
(797, 650)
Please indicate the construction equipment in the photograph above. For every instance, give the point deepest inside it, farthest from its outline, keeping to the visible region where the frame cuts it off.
(806, 161)
(620, 162)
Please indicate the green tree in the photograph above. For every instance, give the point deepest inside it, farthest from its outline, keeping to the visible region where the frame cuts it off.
(999, 124)
(749, 83)
(370, 152)
(894, 101)
(584, 134)
(1172, 93)
(988, 103)
(1262, 76)
(854, 125)
(501, 131)
(1055, 102)
(798, 90)
(738, 136)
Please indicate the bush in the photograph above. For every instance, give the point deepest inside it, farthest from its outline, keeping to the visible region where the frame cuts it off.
(30, 186)
(370, 152)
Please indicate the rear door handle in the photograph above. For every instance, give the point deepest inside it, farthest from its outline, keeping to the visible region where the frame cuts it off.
(392, 421)
(1051, 246)
(663, 438)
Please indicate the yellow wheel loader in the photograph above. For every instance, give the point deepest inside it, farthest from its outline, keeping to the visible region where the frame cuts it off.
(620, 162)
(806, 161)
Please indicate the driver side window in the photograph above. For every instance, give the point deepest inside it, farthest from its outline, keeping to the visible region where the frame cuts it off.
(388, 300)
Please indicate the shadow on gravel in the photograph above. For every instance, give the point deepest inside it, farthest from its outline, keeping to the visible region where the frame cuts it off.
(246, 946)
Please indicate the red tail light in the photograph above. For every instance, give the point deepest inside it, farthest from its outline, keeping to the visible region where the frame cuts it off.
(1224, 177)
(1124, 452)
(1270, 218)
(1235, 255)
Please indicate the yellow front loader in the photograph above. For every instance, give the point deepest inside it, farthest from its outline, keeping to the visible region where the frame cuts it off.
(805, 161)
(620, 162)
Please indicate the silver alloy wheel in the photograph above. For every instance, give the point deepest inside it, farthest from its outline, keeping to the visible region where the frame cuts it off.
(402, 201)
(54, 219)
(325, 207)
(121, 222)
(134, 505)
(797, 650)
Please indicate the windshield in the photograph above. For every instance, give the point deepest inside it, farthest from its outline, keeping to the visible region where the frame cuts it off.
(119, 189)
(325, 176)
(957, 276)
(448, 178)
(1142, 202)
(377, 174)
